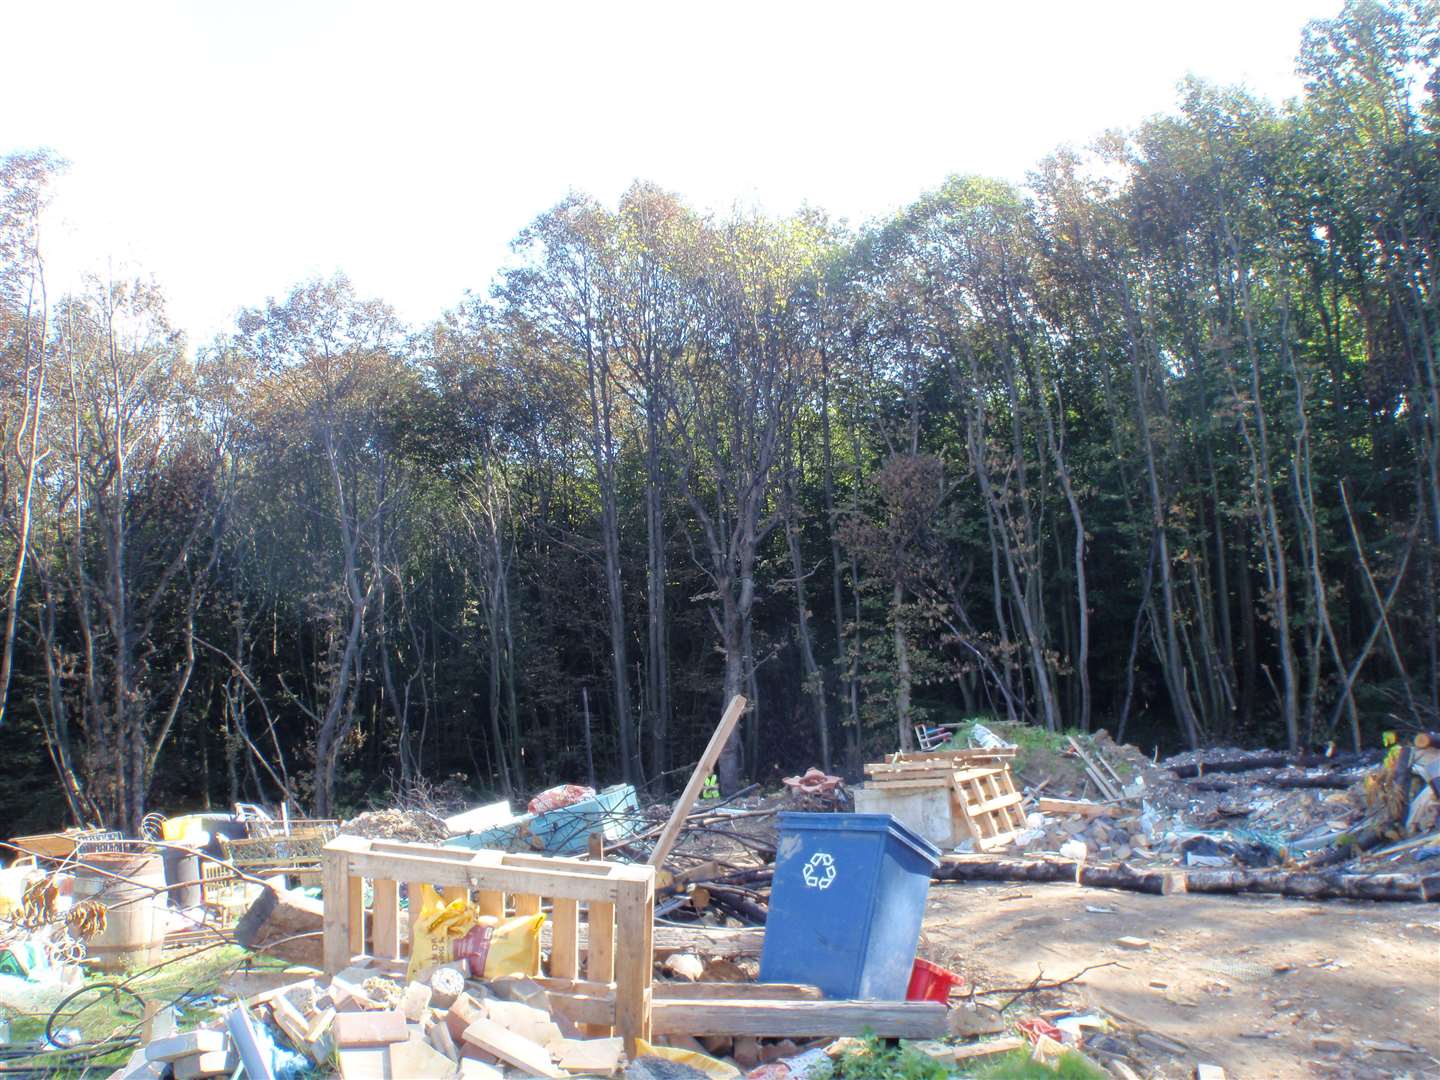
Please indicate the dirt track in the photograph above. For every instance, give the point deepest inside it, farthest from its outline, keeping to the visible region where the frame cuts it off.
(1264, 987)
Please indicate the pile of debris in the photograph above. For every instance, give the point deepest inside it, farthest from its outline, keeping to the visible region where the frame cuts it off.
(1356, 826)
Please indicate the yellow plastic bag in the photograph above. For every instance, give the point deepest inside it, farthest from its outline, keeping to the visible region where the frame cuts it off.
(491, 947)
(703, 1063)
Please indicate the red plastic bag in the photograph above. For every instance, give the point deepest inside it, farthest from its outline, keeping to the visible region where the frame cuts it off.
(557, 798)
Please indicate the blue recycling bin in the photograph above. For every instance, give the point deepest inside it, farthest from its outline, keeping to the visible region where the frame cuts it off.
(846, 904)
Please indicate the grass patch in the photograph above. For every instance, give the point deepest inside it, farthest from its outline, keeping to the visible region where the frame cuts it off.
(103, 1012)
(876, 1061)
(1036, 745)
(1018, 1065)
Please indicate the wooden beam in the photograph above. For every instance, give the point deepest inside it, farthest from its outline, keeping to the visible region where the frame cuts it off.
(565, 939)
(385, 918)
(1079, 806)
(692, 790)
(634, 962)
(701, 991)
(792, 1019)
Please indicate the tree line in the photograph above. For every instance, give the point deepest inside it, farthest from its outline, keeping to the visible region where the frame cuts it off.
(1148, 442)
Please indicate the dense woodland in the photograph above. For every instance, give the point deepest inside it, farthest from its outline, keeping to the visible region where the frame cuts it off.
(1149, 442)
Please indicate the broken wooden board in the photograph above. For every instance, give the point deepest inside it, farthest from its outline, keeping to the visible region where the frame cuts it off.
(600, 1057)
(524, 1020)
(416, 1059)
(1079, 806)
(194, 1066)
(509, 1047)
(364, 1063)
(369, 1028)
(782, 1019)
(199, 1041)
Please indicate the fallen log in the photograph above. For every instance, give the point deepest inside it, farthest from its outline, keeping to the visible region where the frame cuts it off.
(1306, 883)
(736, 902)
(1316, 886)
(1348, 846)
(1338, 780)
(1271, 761)
(1222, 765)
(1160, 882)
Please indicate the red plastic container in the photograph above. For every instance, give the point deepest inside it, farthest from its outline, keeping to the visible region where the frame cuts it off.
(931, 982)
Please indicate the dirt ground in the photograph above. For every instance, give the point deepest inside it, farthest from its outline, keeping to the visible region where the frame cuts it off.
(1262, 986)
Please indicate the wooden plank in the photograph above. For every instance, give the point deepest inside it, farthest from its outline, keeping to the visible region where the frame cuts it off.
(385, 917)
(703, 768)
(1078, 806)
(972, 753)
(634, 962)
(938, 781)
(791, 1019)
(527, 904)
(1104, 785)
(727, 991)
(509, 1047)
(415, 890)
(600, 954)
(355, 900)
(999, 802)
(707, 991)
(491, 903)
(451, 871)
(565, 939)
(334, 880)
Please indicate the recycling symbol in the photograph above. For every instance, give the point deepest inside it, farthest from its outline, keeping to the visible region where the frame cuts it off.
(819, 872)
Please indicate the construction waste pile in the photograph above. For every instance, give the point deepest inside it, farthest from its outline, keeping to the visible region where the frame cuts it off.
(758, 935)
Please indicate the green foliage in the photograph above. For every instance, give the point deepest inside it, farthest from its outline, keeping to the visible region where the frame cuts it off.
(1018, 1065)
(878, 1061)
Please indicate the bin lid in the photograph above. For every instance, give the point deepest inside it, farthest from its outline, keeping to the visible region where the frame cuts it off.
(853, 823)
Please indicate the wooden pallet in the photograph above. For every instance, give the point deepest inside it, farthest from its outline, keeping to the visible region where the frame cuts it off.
(986, 799)
(619, 902)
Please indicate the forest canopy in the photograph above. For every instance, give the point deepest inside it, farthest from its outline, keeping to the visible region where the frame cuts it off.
(1150, 441)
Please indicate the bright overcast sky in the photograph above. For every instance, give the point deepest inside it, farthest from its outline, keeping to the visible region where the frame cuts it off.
(233, 149)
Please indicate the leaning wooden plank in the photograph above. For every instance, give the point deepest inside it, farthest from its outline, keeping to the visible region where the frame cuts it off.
(702, 771)
(790, 1019)
(1079, 806)
(1110, 790)
(513, 1049)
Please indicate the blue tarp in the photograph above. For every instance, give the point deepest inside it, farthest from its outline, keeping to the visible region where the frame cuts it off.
(615, 812)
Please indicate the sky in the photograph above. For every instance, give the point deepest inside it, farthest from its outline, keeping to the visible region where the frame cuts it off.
(234, 149)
